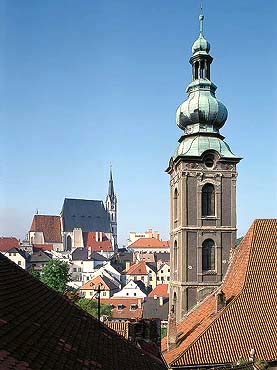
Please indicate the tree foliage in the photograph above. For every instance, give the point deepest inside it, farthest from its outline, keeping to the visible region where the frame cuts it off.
(91, 307)
(55, 275)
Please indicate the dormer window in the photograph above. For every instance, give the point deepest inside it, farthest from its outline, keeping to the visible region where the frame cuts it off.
(120, 307)
(133, 307)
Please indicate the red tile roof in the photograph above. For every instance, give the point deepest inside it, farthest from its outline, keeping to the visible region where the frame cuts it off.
(161, 290)
(105, 283)
(150, 242)
(96, 246)
(54, 333)
(138, 269)
(249, 318)
(50, 226)
(126, 313)
(8, 243)
(121, 327)
(44, 247)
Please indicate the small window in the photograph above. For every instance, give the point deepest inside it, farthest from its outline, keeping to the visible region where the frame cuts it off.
(127, 293)
(162, 271)
(74, 269)
(104, 293)
(133, 307)
(135, 294)
(91, 293)
(14, 254)
(168, 278)
(209, 161)
(79, 269)
(120, 307)
(19, 263)
(168, 270)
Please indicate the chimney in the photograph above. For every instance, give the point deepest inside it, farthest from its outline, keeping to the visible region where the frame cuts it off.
(96, 236)
(172, 329)
(89, 252)
(101, 237)
(139, 303)
(128, 265)
(220, 300)
(161, 301)
(252, 357)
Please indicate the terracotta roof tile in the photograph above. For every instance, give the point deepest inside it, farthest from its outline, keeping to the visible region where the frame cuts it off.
(44, 247)
(105, 283)
(150, 242)
(96, 246)
(8, 243)
(161, 290)
(138, 269)
(120, 327)
(249, 318)
(50, 226)
(54, 333)
(126, 313)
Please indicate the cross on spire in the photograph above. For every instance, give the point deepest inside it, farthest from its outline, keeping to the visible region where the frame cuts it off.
(201, 18)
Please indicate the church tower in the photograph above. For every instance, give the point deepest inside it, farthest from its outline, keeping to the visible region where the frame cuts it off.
(202, 190)
(111, 207)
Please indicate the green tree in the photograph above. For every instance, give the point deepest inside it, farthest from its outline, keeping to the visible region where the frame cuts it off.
(55, 275)
(91, 307)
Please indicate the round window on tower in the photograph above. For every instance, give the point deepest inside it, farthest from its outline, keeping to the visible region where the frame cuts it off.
(209, 160)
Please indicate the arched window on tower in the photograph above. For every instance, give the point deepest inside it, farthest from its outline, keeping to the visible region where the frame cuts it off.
(208, 200)
(175, 205)
(208, 255)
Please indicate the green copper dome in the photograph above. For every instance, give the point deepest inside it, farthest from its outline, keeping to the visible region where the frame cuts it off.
(195, 146)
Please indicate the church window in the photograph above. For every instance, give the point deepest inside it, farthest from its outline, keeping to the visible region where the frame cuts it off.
(175, 260)
(208, 255)
(208, 200)
(68, 243)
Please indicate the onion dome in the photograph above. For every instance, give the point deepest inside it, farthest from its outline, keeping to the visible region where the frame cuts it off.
(201, 112)
(201, 44)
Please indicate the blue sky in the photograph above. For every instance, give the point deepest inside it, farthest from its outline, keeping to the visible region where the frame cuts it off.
(83, 83)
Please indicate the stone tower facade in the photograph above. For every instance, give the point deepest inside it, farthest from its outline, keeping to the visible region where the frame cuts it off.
(111, 207)
(202, 190)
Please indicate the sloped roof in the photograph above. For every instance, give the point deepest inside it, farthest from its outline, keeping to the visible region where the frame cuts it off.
(19, 251)
(138, 269)
(79, 254)
(163, 256)
(150, 242)
(50, 226)
(54, 333)
(104, 281)
(121, 327)
(40, 256)
(44, 247)
(89, 215)
(126, 313)
(152, 308)
(90, 242)
(8, 243)
(249, 318)
(161, 290)
(98, 257)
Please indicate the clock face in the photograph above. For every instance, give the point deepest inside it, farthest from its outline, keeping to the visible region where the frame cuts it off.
(112, 206)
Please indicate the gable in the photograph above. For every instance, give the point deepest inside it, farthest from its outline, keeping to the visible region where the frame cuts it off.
(50, 226)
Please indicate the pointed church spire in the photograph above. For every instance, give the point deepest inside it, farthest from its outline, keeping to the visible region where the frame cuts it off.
(111, 192)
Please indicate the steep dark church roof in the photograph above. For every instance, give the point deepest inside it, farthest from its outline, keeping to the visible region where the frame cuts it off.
(42, 329)
(89, 215)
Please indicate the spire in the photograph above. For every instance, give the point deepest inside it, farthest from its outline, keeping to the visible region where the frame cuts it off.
(201, 18)
(111, 192)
